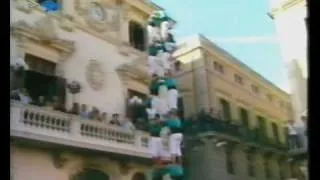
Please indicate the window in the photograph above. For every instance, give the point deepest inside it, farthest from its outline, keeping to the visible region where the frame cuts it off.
(281, 104)
(230, 161)
(262, 124)
(275, 131)
(40, 65)
(255, 89)
(267, 169)
(251, 165)
(218, 67)
(244, 117)
(238, 79)
(226, 111)
(137, 36)
(269, 97)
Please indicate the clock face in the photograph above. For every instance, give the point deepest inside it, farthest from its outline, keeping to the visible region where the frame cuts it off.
(97, 12)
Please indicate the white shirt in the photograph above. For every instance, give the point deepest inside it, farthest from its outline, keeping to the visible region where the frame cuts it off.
(292, 130)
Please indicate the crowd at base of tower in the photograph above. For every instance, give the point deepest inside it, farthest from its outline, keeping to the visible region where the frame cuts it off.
(165, 125)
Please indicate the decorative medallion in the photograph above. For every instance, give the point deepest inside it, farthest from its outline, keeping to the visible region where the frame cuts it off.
(95, 75)
(100, 17)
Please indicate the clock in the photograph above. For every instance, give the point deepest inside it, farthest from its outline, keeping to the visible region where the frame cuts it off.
(96, 12)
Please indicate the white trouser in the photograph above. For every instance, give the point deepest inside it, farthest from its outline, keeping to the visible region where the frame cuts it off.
(159, 105)
(165, 153)
(163, 92)
(164, 30)
(155, 147)
(165, 58)
(173, 99)
(153, 34)
(154, 66)
(175, 141)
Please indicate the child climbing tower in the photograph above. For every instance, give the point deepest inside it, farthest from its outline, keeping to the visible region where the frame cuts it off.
(165, 126)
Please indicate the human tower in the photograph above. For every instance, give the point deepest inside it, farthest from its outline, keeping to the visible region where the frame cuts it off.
(165, 125)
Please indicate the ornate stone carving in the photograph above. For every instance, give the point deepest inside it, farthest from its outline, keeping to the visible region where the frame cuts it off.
(66, 23)
(22, 31)
(24, 5)
(95, 75)
(101, 17)
(45, 28)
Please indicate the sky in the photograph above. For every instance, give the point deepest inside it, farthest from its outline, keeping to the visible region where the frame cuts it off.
(242, 27)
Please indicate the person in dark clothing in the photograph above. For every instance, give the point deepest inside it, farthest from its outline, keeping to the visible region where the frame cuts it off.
(75, 110)
(115, 120)
(40, 102)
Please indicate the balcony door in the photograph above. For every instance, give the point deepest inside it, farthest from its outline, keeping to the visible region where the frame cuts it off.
(244, 115)
(40, 79)
(226, 111)
(262, 125)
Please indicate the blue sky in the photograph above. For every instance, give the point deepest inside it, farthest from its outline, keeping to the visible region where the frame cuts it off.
(241, 27)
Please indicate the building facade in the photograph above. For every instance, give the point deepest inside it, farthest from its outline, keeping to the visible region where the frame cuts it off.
(291, 21)
(249, 139)
(99, 45)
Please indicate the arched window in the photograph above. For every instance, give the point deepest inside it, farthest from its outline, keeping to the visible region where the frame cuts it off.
(137, 36)
(91, 174)
(139, 176)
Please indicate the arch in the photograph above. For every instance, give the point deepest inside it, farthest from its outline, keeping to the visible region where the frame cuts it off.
(91, 174)
(139, 176)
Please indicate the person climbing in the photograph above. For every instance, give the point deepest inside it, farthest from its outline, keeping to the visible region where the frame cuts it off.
(155, 145)
(175, 139)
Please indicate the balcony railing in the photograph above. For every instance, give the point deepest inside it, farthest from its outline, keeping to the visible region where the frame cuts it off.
(35, 123)
(207, 124)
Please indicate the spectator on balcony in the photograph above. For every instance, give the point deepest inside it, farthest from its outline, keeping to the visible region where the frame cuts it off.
(49, 105)
(127, 124)
(14, 95)
(292, 135)
(214, 113)
(40, 101)
(75, 110)
(103, 117)
(94, 114)
(22, 96)
(84, 112)
(115, 120)
(58, 105)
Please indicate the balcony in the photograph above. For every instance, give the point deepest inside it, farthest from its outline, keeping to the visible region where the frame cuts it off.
(208, 126)
(41, 125)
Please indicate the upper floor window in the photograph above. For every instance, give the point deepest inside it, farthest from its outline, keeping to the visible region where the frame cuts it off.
(255, 89)
(226, 110)
(238, 79)
(275, 131)
(137, 36)
(269, 97)
(244, 115)
(281, 104)
(218, 67)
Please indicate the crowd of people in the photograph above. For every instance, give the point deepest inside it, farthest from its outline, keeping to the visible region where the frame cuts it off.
(81, 110)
